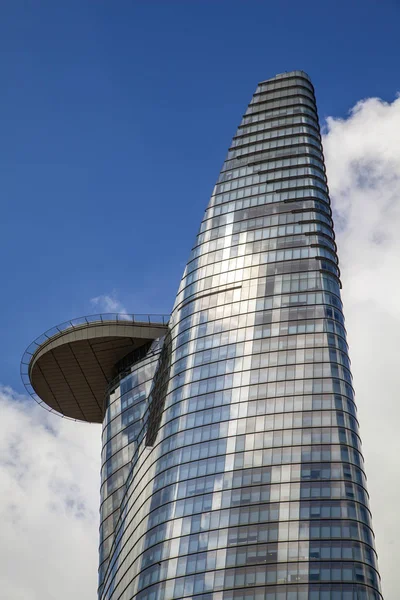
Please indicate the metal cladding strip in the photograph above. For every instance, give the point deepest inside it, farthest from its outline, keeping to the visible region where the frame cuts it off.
(232, 465)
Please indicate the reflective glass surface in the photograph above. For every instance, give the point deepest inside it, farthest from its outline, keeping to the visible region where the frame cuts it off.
(232, 462)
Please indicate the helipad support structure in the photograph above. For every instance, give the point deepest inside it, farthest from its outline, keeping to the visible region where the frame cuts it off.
(70, 368)
(231, 461)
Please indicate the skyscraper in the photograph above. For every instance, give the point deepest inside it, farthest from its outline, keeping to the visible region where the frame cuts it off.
(231, 462)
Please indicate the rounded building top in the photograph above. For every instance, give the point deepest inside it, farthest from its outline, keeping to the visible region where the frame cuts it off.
(288, 75)
(66, 370)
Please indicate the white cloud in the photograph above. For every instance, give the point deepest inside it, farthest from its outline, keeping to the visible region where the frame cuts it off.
(108, 303)
(363, 165)
(49, 497)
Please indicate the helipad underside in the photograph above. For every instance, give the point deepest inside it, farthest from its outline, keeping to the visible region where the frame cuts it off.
(71, 370)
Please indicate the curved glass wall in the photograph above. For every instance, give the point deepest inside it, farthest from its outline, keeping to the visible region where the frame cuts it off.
(244, 477)
(123, 422)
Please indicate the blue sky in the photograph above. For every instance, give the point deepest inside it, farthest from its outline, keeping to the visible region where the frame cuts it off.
(115, 120)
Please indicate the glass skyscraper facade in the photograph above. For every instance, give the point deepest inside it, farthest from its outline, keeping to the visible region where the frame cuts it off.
(231, 463)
